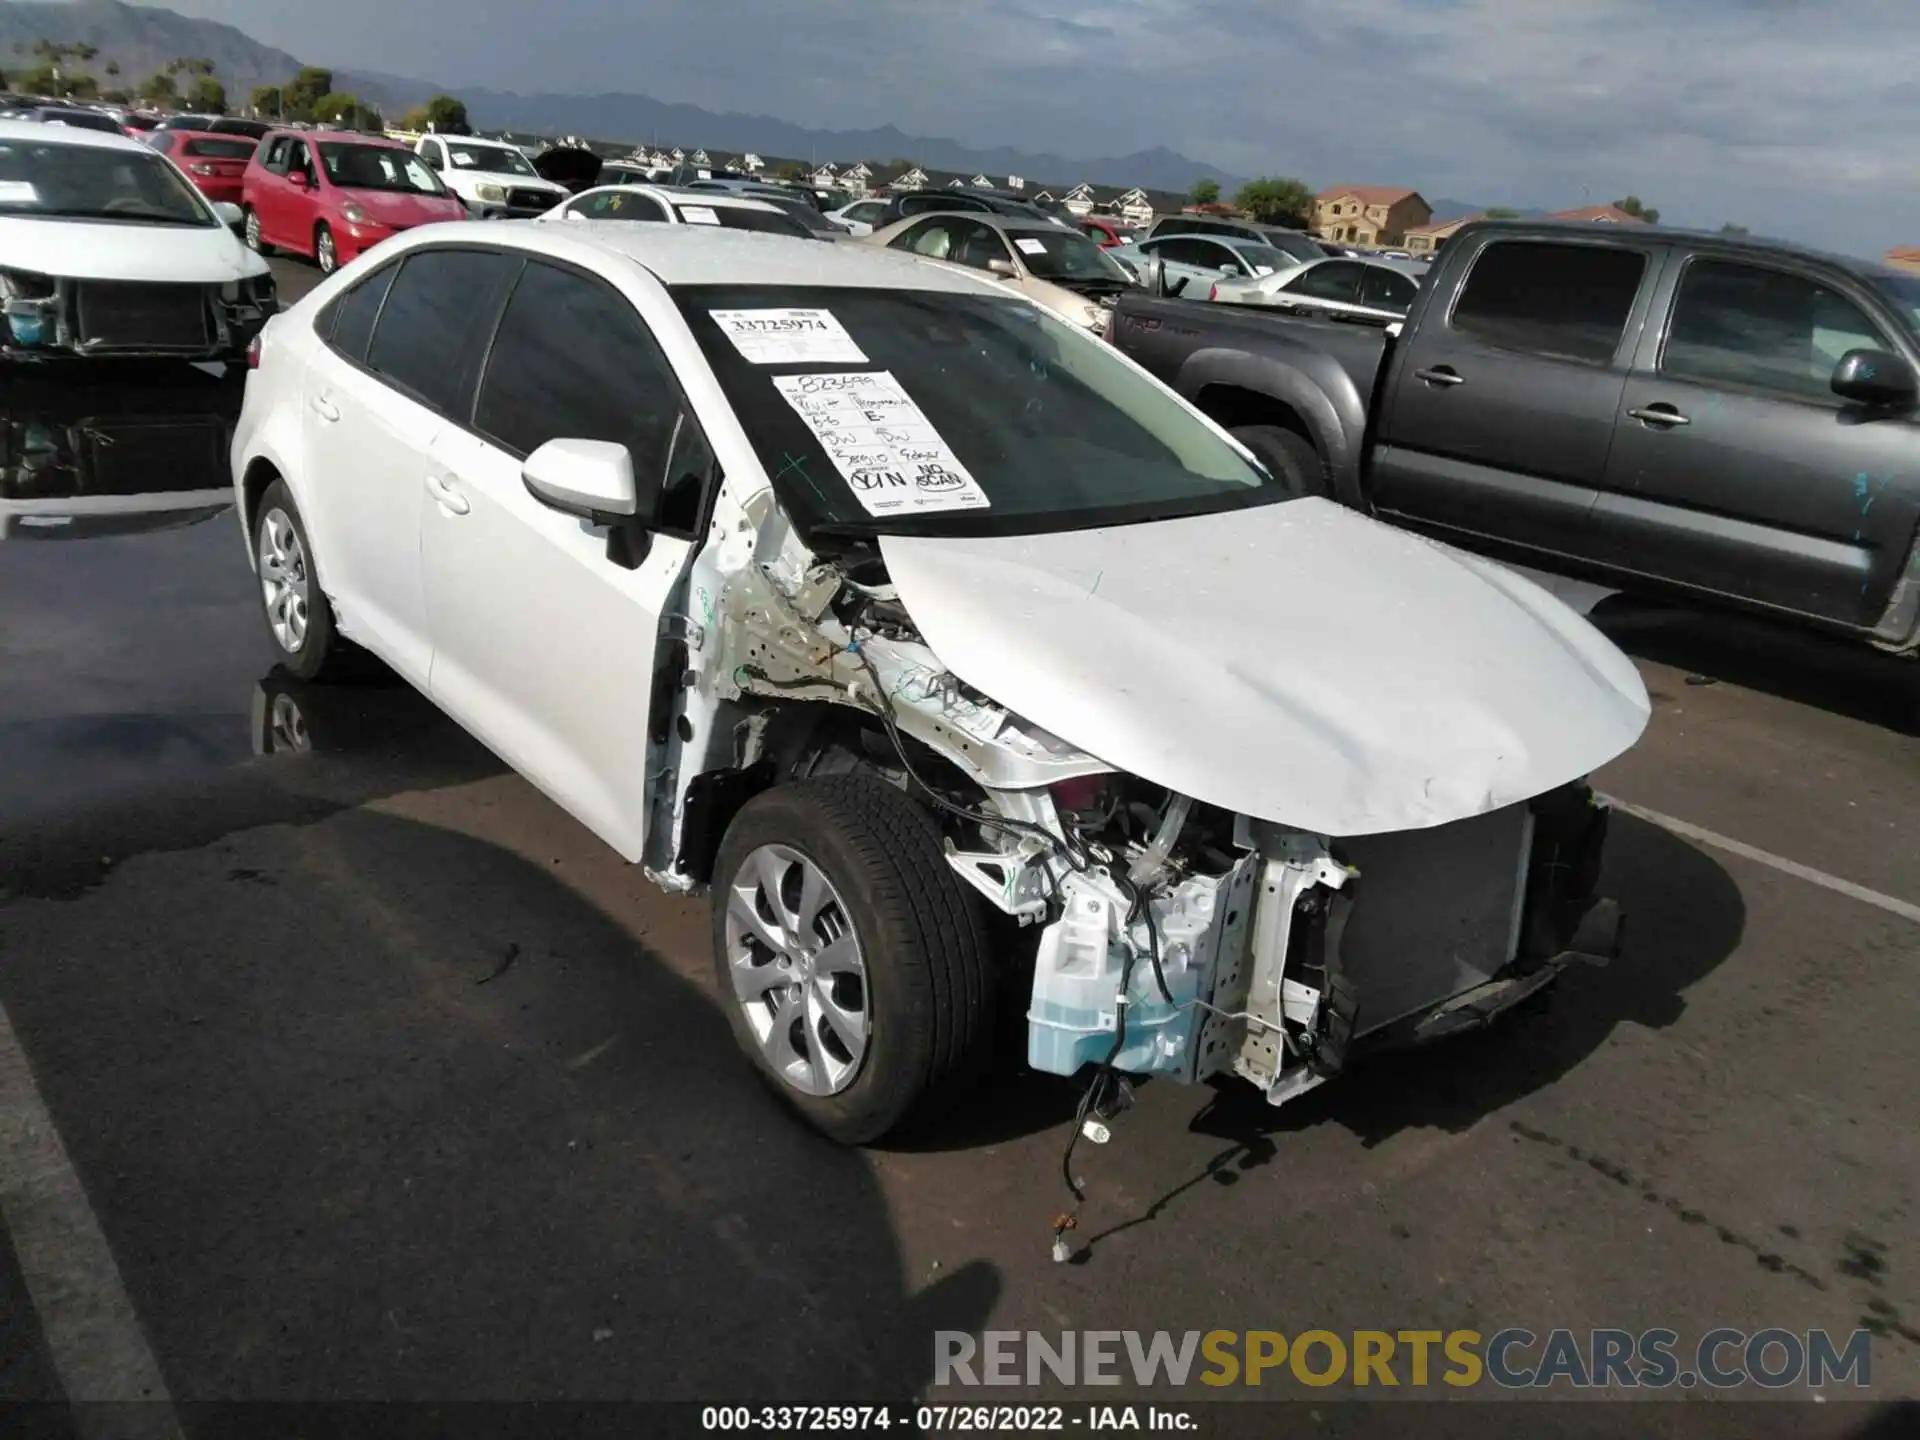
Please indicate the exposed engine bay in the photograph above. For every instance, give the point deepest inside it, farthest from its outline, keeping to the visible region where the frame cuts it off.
(1167, 936)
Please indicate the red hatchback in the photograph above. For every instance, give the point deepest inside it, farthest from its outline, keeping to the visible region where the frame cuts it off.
(332, 196)
(215, 163)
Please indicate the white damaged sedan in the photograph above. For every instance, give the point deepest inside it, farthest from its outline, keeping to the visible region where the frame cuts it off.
(949, 651)
(108, 250)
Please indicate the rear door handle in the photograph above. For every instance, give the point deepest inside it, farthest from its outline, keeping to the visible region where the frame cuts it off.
(1440, 375)
(324, 408)
(446, 494)
(1659, 415)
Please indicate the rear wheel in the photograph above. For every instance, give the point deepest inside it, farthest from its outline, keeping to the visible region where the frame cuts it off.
(1292, 458)
(255, 240)
(298, 615)
(325, 254)
(852, 961)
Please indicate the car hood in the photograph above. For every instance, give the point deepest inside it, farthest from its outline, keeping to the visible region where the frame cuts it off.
(111, 250)
(1295, 662)
(388, 207)
(500, 177)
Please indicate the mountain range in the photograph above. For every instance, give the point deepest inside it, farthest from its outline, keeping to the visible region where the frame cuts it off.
(141, 39)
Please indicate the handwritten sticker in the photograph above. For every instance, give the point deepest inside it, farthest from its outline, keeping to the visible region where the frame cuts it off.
(18, 192)
(1027, 245)
(698, 215)
(889, 452)
(789, 337)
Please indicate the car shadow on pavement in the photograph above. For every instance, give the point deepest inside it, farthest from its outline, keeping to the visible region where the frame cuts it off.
(372, 1109)
(1844, 677)
(1685, 916)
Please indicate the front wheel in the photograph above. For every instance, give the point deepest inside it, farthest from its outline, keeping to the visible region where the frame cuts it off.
(1292, 458)
(852, 961)
(298, 615)
(256, 239)
(325, 253)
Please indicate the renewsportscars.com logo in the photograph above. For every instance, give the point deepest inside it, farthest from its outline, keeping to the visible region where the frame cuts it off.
(1513, 1359)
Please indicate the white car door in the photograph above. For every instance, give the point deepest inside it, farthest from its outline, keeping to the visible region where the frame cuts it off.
(543, 641)
(377, 397)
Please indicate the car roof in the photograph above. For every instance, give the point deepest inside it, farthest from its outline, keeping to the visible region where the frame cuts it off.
(1011, 224)
(26, 130)
(1678, 235)
(355, 137)
(680, 195)
(703, 255)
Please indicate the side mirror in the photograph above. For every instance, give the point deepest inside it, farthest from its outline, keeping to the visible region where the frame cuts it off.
(1230, 270)
(1877, 378)
(231, 215)
(1003, 268)
(594, 480)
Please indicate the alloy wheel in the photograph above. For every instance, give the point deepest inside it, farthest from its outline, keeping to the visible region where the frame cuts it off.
(253, 231)
(284, 580)
(324, 252)
(797, 969)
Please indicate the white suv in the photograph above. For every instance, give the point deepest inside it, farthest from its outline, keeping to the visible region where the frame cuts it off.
(949, 650)
(494, 180)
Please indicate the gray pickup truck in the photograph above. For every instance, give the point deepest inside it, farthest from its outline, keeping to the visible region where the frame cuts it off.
(1654, 410)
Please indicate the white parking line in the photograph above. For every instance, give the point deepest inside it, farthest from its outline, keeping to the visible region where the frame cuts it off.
(1893, 905)
(94, 1337)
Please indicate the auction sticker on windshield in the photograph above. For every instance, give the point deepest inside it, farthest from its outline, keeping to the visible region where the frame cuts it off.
(789, 337)
(18, 192)
(880, 441)
(1030, 246)
(698, 215)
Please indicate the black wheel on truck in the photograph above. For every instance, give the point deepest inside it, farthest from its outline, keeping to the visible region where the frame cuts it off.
(852, 961)
(1290, 455)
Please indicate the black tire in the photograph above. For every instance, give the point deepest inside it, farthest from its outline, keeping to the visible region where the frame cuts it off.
(928, 983)
(319, 653)
(326, 252)
(250, 228)
(1291, 456)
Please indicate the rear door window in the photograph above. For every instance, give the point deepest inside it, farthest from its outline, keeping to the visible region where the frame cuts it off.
(1548, 298)
(236, 149)
(1335, 281)
(574, 360)
(1386, 289)
(434, 325)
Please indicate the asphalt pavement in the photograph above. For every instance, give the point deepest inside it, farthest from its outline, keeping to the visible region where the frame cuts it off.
(349, 1068)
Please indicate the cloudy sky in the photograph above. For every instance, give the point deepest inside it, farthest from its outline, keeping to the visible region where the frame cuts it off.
(1793, 117)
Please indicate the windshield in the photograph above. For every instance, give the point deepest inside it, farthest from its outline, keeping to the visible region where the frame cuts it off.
(82, 182)
(1298, 247)
(378, 167)
(804, 214)
(1265, 259)
(1066, 255)
(1903, 291)
(501, 159)
(219, 149)
(945, 413)
(739, 217)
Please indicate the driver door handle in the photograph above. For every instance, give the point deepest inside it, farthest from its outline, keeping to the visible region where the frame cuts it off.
(324, 408)
(446, 493)
(1660, 415)
(1440, 375)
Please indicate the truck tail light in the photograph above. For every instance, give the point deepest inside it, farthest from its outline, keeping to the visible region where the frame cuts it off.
(1213, 292)
(253, 353)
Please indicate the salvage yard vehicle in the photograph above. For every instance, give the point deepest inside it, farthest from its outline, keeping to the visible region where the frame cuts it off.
(1066, 272)
(333, 195)
(671, 205)
(493, 179)
(107, 250)
(951, 653)
(1700, 416)
(1354, 290)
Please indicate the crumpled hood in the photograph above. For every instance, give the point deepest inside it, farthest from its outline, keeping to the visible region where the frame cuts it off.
(110, 250)
(1296, 662)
